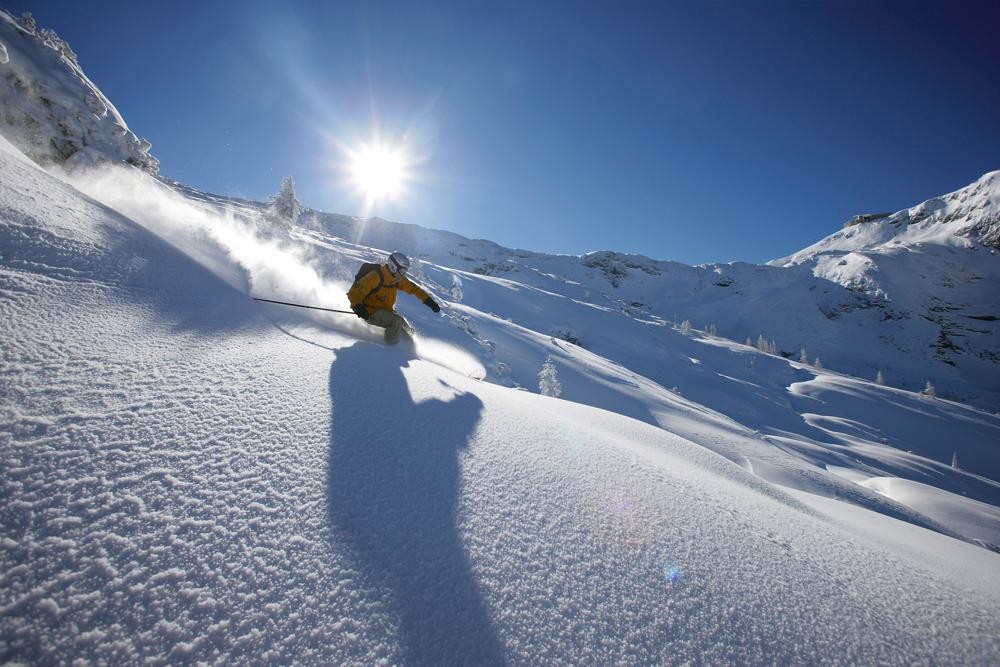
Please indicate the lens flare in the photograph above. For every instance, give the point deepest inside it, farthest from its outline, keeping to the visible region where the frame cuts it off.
(672, 574)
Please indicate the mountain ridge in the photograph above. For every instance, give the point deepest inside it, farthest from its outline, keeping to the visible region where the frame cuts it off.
(822, 287)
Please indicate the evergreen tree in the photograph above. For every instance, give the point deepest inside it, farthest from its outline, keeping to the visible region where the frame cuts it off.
(27, 21)
(879, 380)
(766, 346)
(818, 365)
(929, 390)
(548, 379)
(803, 357)
(284, 208)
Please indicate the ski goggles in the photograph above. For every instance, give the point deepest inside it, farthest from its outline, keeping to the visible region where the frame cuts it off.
(396, 267)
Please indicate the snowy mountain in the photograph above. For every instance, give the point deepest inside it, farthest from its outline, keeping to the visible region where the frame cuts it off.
(912, 296)
(192, 476)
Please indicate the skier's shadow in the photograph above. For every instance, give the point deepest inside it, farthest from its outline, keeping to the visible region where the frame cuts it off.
(393, 491)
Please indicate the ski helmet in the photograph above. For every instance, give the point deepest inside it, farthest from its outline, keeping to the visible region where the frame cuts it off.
(398, 263)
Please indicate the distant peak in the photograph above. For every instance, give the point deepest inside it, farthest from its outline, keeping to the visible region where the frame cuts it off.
(966, 216)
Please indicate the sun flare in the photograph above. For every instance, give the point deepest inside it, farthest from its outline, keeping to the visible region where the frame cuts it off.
(378, 172)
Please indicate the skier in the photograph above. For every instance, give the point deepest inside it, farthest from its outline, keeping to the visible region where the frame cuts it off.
(373, 295)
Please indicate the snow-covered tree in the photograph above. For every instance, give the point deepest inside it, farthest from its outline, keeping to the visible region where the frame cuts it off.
(47, 36)
(954, 460)
(712, 330)
(284, 208)
(749, 342)
(818, 365)
(686, 327)
(52, 40)
(766, 346)
(929, 390)
(27, 21)
(548, 379)
(803, 357)
(456, 288)
(879, 380)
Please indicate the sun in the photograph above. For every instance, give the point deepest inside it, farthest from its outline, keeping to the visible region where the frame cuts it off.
(379, 172)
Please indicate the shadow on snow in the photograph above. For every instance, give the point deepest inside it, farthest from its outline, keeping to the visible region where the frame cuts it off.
(394, 482)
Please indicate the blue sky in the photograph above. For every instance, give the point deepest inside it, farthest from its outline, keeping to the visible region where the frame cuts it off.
(698, 132)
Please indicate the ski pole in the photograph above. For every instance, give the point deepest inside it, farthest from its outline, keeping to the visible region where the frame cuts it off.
(299, 305)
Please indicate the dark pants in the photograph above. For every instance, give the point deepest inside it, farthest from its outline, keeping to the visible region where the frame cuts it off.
(393, 323)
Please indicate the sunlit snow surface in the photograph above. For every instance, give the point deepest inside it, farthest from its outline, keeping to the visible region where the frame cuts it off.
(193, 476)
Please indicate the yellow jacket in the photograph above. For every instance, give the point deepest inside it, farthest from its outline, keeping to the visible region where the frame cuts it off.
(377, 289)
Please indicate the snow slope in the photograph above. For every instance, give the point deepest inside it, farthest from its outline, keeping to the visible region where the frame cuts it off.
(913, 296)
(191, 476)
(822, 422)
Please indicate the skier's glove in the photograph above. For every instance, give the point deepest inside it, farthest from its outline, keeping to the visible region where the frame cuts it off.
(432, 304)
(360, 311)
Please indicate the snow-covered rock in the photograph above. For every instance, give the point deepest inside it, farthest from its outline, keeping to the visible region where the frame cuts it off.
(52, 111)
